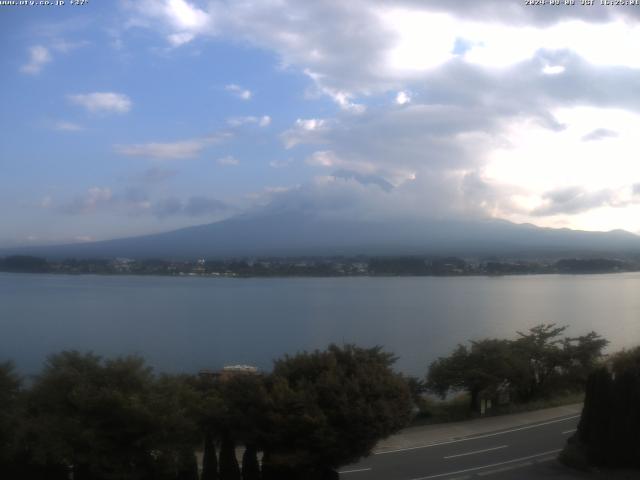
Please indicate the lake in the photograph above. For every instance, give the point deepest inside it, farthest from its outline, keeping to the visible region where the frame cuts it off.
(188, 323)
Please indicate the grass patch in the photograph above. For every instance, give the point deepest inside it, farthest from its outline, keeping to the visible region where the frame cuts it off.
(456, 409)
(556, 401)
(440, 411)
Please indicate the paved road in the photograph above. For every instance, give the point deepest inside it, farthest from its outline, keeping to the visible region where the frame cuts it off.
(487, 455)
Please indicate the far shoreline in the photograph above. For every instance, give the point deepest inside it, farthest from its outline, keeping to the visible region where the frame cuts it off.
(269, 277)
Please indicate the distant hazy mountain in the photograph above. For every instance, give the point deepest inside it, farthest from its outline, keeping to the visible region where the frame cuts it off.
(297, 234)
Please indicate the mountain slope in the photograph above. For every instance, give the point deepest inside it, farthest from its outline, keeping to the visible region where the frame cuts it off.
(298, 234)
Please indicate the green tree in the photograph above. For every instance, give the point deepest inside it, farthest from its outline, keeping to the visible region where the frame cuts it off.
(626, 361)
(92, 416)
(329, 408)
(535, 364)
(481, 369)
(583, 355)
(113, 419)
(540, 358)
(10, 416)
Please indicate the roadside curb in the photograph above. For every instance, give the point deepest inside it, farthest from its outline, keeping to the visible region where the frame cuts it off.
(417, 437)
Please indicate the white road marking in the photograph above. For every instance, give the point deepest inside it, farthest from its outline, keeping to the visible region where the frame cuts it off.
(354, 471)
(476, 451)
(448, 442)
(521, 459)
(566, 432)
(548, 459)
(505, 469)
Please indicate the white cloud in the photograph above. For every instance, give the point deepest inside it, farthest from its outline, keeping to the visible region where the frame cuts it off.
(177, 39)
(65, 126)
(309, 130)
(228, 161)
(279, 189)
(135, 201)
(39, 56)
(358, 48)
(170, 150)
(184, 15)
(97, 194)
(176, 150)
(505, 45)
(567, 176)
(94, 199)
(286, 163)
(553, 69)
(194, 206)
(108, 102)
(497, 128)
(345, 102)
(423, 40)
(330, 159)
(263, 121)
(311, 124)
(238, 91)
(403, 98)
(543, 159)
(180, 20)
(83, 238)
(324, 158)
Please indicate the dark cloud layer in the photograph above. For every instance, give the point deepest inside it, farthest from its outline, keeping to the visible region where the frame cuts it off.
(573, 200)
(364, 179)
(133, 201)
(599, 134)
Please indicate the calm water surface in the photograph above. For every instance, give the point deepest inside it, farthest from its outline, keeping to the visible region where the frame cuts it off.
(184, 324)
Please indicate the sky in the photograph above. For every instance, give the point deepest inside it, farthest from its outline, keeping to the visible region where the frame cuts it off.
(122, 118)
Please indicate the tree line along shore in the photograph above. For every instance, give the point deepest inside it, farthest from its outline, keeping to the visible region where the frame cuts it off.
(91, 418)
(317, 267)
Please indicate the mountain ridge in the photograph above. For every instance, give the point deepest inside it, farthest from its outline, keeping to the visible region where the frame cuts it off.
(291, 233)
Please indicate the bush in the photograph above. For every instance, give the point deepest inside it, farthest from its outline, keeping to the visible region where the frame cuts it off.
(609, 429)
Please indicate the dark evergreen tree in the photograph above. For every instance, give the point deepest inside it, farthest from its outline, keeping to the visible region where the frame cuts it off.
(229, 468)
(209, 458)
(250, 465)
(187, 465)
(10, 417)
(609, 429)
(593, 429)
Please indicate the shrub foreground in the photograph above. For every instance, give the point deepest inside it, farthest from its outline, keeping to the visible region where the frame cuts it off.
(114, 419)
